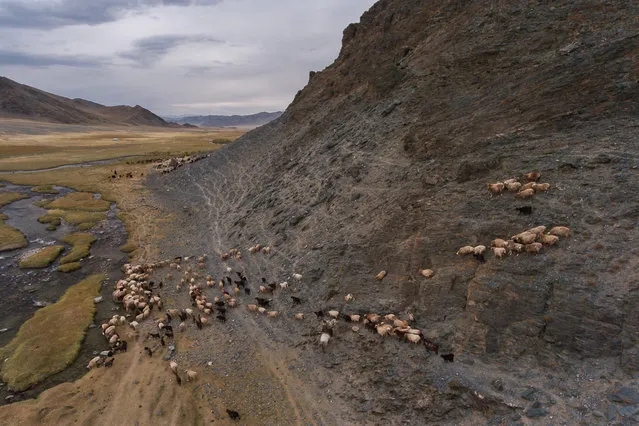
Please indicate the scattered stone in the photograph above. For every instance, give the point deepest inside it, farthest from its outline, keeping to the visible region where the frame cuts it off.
(528, 394)
(597, 413)
(92, 326)
(4, 330)
(536, 412)
(625, 395)
(611, 413)
(98, 299)
(38, 304)
(9, 397)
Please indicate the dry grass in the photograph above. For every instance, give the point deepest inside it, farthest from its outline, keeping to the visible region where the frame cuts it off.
(128, 248)
(83, 201)
(50, 219)
(69, 267)
(31, 152)
(41, 349)
(10, 197)
(45, 189)
(43, 258)
(10, 238)
(81, 243)
(85, 226)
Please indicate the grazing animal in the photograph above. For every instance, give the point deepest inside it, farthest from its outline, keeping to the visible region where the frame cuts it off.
(182, 326)
(251, 308)
(384, 329)
(296, 300)
(221, 318)
(234, 415)
(380, 276)
(541, 187)
(413, 338)
(426, 273)
(333, 314)
(529, 185)
(524, 210)
(430, 346)
(498, 242)
(190, 375)
(525, 238)
(109, 363)
(513, 187)
(538, 230)
(499, 252)
(526, 193)
(354, 317)
(496, 188)
(94, 362)
(549, 240)
(261, 310)
(560, 231)
(465, 250)
(324, 339)
(272, 314)
(532, 176)
(509, 181)
(262, 302)
(348, 297)
(533, 248)
(479, 250)
(298, 277)
(299, 316)
(448, 357)
(319, 314)
(515, 247)
(247, 291)
(284, 285)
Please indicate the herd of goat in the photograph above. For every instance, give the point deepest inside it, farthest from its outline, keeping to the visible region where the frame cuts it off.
(138, 293)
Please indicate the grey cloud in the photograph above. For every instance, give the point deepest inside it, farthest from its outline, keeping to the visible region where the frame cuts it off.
(18, 14)
(9, 57)
(148, 50)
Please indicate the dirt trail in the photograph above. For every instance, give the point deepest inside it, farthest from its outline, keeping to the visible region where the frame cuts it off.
(136, 390)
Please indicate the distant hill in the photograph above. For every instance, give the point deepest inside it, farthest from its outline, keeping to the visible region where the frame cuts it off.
(26, 102)
(252, 120)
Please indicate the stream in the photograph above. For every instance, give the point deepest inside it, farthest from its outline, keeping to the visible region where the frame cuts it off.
(22, 292)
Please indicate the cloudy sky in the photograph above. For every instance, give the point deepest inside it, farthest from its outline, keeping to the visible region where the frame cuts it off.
(173, 56)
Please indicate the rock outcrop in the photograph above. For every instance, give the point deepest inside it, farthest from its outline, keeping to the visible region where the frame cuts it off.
(381, 163)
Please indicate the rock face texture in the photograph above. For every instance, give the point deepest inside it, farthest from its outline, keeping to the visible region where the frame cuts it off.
(382, 163)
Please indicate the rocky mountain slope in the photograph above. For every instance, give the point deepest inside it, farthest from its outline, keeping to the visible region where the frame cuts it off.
(382, 163)
(252, 120)
(22, 101)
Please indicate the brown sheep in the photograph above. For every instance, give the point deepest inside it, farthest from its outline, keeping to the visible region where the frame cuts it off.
(496, 188)
(549, 240)
(299, 316)
(413, 338)
(526, 193)
(384, 329)
(272, 314)
(426, 273)
(560, 231)
(515, 247)
(380, 276)
(513, 187)
(525, 238)
(465, 250)
(479, 250)
(498, 242)
(499, 252)
(528, 185)
(541, 187)
(252, 308)
(509, 181)
(538, 230)
(534, 248)
(532, 176)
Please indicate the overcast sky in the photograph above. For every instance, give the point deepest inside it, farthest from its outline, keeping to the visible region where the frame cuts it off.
(173, 56)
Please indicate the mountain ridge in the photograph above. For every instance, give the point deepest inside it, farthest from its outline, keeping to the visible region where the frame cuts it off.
(22, 101)
(235, 120)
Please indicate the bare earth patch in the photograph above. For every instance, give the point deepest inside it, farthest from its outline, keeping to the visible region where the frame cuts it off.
(41, 348)
(42, 258)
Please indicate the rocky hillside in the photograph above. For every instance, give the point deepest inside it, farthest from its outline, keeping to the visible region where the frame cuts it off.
(252, 120)
(25, 102)
(382, 163)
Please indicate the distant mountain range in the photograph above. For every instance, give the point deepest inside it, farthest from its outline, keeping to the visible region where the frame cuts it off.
(26, 102)
(252, 120)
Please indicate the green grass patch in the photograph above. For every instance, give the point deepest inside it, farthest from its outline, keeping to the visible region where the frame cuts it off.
(75, 217)
(50, 219)
(42, 258)
(81, 243)
(50, 341)
(80, 201)
(128, 247)
(10, 238)
(45, 189)
(85, 226)
(42, 203)
(51, 228)
(69, 267)
(10, 197)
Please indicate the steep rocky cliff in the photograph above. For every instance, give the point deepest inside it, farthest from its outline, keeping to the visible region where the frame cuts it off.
(381, 163)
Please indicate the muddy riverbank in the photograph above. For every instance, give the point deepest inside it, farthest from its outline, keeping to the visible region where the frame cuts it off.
(22, 292)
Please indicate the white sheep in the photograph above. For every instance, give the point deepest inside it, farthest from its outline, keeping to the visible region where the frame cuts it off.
(190, 375)
(426, 273)
(380, 276)
(173, 366)
(465, 250)
(548, 239)
(299, 316)
(413, 338)
(496, 188)
(297, 277)
(333, 314)
(479, 250)
(94, 362)
(348, 298)
(499, 252)
(498, 242)
(324, 339)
